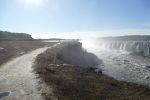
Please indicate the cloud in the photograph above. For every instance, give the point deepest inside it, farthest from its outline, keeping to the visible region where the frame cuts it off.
(93, 34)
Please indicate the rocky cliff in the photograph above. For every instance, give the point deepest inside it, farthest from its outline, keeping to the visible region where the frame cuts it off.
(73, 53)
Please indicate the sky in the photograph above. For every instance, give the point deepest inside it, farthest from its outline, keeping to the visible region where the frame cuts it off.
(75, 18)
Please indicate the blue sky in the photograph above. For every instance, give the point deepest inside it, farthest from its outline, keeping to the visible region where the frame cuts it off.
(75, 18)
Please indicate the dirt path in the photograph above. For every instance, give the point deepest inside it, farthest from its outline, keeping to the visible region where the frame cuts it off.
(17, 77)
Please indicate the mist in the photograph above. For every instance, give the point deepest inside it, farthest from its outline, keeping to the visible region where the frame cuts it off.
(91, 34)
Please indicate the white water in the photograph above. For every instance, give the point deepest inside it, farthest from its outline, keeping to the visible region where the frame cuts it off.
(135, 47)
(117, 61)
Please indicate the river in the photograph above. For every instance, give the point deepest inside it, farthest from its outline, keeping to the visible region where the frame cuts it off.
(119, 64)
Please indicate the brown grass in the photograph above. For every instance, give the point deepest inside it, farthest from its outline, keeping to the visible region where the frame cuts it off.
(15, 48)
(72, 83)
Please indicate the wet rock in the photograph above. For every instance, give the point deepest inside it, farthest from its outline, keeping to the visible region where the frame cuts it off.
(147, 77)
(2, 49)
(126, 61)
(147, 66)
(52, 67)
(137, 69)
(4, 94)
(119, 64)
(66, 65)
(94, 69)
(91, 69)
(98, 71)
(21, 53)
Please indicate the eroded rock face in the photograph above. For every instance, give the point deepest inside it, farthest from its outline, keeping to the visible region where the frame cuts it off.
(73, 53)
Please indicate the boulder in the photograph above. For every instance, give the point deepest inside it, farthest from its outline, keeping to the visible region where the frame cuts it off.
(147, 66)
(52, 68)
(98, 71)
(2, 49)
(94, 69)
(147, 77)
(21, 53)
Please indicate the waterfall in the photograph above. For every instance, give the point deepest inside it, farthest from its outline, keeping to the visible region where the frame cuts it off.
(134, 47)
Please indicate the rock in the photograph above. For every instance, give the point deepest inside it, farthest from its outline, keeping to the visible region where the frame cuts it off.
(52, 68)
(147, 77)
(2, 49)
(21, 53)
(51, 65)
(4, 94)
(94, 69)
(66, 65)
(126, 60)
(73, 53)
(98, 71)
(147, 66)
(101, 66)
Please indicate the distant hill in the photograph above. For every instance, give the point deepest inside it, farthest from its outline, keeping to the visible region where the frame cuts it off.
(128, 38)
(9, 35)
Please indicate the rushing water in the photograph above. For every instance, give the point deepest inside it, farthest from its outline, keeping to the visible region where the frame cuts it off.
(118, 61)
(135, 47)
